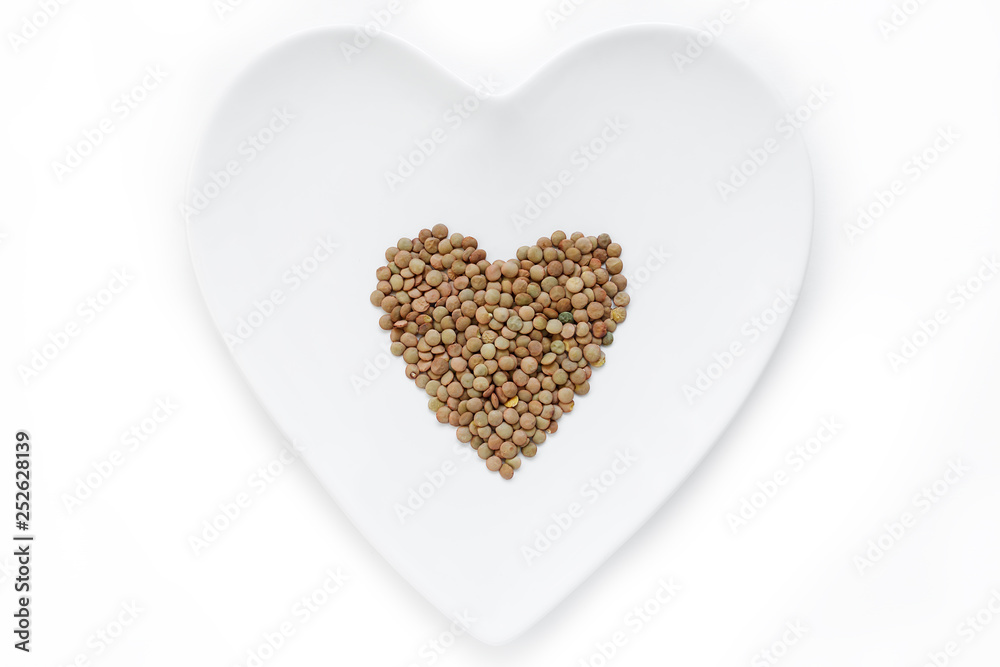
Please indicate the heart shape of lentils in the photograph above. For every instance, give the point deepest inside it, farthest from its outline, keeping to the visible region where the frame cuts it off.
(501, 348)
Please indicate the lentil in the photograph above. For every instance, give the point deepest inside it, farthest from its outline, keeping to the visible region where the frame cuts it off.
(501, 348)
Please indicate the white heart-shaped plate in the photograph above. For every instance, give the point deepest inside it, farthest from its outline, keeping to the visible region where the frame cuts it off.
(292, 203)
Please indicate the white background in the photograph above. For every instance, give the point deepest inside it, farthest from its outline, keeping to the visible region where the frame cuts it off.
(61, 240)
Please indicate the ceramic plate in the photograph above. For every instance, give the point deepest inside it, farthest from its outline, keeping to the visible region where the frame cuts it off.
(320, 157)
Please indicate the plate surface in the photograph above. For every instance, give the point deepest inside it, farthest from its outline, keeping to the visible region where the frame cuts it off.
(292, 202)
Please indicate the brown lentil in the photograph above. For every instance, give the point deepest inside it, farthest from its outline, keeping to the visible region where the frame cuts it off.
(501, 348)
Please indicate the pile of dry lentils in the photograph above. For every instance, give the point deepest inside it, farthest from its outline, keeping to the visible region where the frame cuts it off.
(501, 348)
